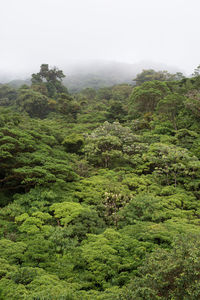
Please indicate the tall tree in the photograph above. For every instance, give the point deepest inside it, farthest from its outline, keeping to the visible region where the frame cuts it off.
(51, 78)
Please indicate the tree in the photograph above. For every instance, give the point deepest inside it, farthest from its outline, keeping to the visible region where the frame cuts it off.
(171, 274)
(107, 144)
(170, 107)
(33, 102)
(109, 257)
(116, 111)
(192, 102)
(144, 98)
(28, 158)
(150, 75)
(7, 95)
(73, 143)
(77, 220)
(51, 78)
(171, 164)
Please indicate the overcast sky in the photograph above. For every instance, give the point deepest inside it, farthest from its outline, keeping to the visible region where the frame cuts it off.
(58, 31)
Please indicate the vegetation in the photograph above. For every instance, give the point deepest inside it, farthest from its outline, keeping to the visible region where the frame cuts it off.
(99, 190)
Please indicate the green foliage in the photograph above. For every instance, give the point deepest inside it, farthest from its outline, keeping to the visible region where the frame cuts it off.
(170, 107)
(50, 78)
(144, 98)
(116, 112)
(99, 191)
(73, 143)
(107, 144)
(7, 95)
(107, 258)
(150, 75)
(27, 163)
(33, 102)
(66, 211)
(169, 274)
(175, 163)
(12, 252)
(34, 223)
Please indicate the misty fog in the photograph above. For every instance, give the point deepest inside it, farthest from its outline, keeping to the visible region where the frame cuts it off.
(98, 36)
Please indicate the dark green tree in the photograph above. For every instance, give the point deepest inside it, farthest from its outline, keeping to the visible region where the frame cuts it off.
(145, 97)
(169, 275)
(51, 78)
(33, 102)
(150, 75)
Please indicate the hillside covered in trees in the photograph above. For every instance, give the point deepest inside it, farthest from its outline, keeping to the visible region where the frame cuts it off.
(99, 190)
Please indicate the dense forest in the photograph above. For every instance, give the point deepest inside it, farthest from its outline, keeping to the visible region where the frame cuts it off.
(99, 190)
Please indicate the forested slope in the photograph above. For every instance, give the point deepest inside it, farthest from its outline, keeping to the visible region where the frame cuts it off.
(99, 191)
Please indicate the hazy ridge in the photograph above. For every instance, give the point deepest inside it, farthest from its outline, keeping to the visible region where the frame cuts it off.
(93, 74)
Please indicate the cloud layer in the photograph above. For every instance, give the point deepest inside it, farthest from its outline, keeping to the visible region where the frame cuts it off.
(63, 31)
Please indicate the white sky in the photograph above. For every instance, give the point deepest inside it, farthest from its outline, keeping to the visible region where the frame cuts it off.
(58, 31)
